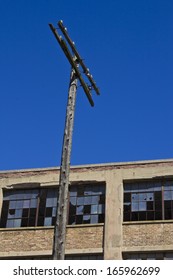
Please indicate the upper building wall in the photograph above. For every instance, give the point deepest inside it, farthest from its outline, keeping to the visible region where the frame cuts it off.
(115, 237)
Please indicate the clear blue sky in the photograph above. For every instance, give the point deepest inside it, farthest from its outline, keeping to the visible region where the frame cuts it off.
(128, 46)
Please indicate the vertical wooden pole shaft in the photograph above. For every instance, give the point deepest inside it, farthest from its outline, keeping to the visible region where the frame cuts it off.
(61, 217)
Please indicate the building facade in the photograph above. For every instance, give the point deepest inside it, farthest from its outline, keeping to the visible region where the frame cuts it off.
(115, 211)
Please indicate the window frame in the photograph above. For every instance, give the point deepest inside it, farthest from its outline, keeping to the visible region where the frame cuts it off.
(130, 188)
(25, 187)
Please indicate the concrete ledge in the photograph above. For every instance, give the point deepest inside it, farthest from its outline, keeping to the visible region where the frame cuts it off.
(50, 227)
(141, 249)
(14, 254)
(147, 222)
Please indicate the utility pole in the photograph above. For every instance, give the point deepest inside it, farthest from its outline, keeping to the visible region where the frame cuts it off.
(76, 62)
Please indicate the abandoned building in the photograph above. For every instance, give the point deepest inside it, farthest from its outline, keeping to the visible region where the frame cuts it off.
(115, 211)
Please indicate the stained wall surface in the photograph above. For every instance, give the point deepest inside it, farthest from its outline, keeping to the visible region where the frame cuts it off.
(112, 238)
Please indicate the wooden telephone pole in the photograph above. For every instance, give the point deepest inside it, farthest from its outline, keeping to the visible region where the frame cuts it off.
(76, 62)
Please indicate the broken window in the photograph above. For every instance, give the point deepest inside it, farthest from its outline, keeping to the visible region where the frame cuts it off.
(29, 208)
(148, 200)
(87, 204)
(37, 207)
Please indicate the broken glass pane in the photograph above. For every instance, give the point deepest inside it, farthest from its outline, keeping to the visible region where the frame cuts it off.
(87, 200)
(142, 206)
(47, 221)
(142, 196)
(11, 213)
(135, 197)
(33, 203)
(26, 203)
(94, 209)
(73, 200)
(12, 204)
(79, 210)
(19, 204)
(100, 208)
(95, 199)
(150, 196)
(49, 202)
(10, 224)
(86, 218)
(135, 206)
(80, 200)
(94, 219)
(34, 194)
(17, 222)
(18, 213)
(54, 212)
(167, 195)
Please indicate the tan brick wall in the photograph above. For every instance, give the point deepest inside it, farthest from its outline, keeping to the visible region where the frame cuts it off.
(85, 237)
(154, 234)
(41, 239)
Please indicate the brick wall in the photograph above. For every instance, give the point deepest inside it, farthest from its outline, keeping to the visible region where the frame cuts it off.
(154, 234)
(41, 239)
